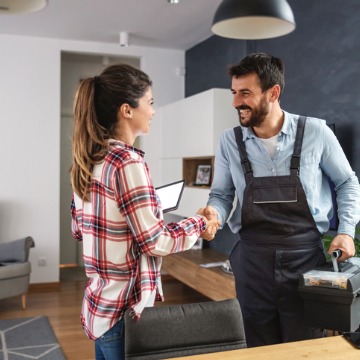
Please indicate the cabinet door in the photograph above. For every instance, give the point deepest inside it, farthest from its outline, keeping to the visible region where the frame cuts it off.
(187, 127)
(224, 114)
(192, 199)
(171, 170)
(173, 129)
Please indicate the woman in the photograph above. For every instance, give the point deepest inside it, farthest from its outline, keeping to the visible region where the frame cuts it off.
(115, 209)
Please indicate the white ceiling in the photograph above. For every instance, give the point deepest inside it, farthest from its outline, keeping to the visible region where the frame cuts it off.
(154, 23)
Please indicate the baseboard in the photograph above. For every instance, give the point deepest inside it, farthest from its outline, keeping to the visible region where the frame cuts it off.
(44, 287)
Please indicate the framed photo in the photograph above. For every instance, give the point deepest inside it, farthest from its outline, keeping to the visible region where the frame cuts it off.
(203, 175)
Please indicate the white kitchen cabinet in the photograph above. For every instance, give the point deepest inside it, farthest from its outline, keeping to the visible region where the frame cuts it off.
(190, 132)
(192, 126)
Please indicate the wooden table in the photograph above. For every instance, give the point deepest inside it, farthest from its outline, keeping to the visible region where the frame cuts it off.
(329, 348)
(211, 282)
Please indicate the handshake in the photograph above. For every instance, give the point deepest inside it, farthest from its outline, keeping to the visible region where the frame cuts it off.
(212, 222)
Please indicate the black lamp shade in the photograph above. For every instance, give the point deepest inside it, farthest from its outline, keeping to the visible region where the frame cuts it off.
(253, 19)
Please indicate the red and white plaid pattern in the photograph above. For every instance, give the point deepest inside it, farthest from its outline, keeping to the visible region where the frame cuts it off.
(124, 237)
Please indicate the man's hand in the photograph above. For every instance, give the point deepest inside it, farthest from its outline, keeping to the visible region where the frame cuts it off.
(345, 243)
(212, 222)
(210, 213)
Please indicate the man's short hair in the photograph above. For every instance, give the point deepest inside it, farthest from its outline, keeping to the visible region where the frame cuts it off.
(269, 69)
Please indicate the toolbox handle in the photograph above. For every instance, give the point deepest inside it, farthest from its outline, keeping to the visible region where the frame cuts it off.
(334, 256)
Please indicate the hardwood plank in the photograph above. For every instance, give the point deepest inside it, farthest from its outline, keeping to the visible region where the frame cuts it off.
(335, 348)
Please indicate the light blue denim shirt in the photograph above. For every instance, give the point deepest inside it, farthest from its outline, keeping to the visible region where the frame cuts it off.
(321, 153)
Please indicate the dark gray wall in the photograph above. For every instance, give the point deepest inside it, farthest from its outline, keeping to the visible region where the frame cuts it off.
(322, 62)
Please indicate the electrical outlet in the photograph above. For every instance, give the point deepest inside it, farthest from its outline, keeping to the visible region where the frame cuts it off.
(42, 261)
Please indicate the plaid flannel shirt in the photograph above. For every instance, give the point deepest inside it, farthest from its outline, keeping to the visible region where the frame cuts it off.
(124, 237)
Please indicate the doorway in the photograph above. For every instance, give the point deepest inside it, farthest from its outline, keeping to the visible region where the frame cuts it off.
(74, 67)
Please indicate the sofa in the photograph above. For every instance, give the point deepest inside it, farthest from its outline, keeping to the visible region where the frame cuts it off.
(15, 268)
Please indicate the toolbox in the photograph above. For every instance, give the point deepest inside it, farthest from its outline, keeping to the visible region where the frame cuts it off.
(332, 299)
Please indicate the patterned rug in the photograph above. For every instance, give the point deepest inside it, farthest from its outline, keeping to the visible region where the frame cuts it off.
(28, 338)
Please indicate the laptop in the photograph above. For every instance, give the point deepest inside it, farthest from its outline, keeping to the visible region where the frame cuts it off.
(170, 195)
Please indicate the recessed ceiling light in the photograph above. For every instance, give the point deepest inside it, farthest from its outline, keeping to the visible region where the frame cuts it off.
(124, 39)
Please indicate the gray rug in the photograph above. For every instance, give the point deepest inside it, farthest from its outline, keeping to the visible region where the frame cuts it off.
(28, 338)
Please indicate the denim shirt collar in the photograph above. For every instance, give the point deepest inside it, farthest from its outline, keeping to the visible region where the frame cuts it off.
(248, 132)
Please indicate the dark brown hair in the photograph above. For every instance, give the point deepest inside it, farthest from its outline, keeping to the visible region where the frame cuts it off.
(96, 107)
(269, 69)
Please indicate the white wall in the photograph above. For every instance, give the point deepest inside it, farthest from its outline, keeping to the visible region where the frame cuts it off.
(30, 115)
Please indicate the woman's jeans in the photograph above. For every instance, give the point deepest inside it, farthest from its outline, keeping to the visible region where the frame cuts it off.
(111, 346)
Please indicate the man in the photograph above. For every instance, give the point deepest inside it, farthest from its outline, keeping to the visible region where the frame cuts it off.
(277, 166)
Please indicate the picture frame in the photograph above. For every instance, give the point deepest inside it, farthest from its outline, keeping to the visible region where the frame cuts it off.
(203, 175)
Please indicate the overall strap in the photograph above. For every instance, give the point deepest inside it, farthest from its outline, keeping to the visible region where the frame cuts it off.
(295, 159)
(245, 163)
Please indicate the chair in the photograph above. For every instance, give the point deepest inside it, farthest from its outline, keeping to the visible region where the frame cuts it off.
(181, 330)
(15, 268)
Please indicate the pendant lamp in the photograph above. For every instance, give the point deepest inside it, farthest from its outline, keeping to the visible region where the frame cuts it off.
(21, 6)
(253, 19)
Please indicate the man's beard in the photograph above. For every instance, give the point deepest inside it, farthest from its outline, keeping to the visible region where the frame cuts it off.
(258, 115)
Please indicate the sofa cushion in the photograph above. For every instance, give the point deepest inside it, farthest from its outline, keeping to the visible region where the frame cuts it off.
(14, 270)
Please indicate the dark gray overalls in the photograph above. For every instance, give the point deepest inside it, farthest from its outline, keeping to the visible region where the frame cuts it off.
(279, 241)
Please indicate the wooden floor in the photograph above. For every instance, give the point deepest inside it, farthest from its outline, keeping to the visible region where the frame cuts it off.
(62, 307)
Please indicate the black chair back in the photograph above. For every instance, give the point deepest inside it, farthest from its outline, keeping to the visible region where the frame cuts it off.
(181, 330)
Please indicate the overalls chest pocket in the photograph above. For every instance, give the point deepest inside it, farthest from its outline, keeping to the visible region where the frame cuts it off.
(272, 192)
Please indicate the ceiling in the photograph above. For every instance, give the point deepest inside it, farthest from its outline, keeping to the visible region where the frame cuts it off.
(154, 23)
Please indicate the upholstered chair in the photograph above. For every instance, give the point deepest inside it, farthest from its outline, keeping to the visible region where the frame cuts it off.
(15, 268)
